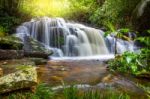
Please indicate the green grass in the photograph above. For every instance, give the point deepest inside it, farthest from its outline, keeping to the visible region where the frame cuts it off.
(146, 88)
(74, 93)
(43, 91)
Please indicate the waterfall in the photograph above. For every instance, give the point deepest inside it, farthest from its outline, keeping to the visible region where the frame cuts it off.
(68, 39)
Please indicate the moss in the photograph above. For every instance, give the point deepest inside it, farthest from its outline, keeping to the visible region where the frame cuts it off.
(18, 80)
(10, 42)
(2, 31)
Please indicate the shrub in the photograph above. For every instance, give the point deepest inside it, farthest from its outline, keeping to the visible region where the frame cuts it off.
(118, 12)
(134, 63)
(2, 31)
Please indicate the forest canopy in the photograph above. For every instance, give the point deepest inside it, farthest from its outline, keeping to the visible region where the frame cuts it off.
(121, 13)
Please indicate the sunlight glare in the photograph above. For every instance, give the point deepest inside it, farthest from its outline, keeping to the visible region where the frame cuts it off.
(46, 7)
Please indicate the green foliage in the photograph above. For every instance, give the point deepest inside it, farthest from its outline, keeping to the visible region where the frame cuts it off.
(146, 88)
(8, 22)
(71, 92)
(2, 31)
(43, 91)
(96, 12)
(91, 95)
(9, 14)
(74, 93)
(118, 12)
(134, 63)
(81, 10)
(24, 67)
(125, 63)
(11, 42)
(117, 33)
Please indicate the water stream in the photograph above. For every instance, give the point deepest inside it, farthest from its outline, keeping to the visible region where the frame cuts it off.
(69, 40)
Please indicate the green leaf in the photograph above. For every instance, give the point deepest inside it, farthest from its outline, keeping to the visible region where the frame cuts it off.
(125, 30)
(110, 26)
(148, 31)
(128, 59)
(107, 33)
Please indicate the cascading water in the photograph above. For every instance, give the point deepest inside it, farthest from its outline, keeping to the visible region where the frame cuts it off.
(68, 39)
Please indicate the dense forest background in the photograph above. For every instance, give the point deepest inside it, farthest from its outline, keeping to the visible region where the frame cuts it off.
(133, 14)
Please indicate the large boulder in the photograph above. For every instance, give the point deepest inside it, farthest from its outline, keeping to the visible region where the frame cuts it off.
(11, 47)
(11, 54)
(25, 78)
(34, 48)
(11, 42)
(32, 45)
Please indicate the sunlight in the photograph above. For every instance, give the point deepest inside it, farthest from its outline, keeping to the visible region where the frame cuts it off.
(46, 7)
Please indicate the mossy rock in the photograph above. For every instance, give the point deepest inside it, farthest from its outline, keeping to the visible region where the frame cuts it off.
(34, 48)
(32, 45)
(11, 42)
(25, 78)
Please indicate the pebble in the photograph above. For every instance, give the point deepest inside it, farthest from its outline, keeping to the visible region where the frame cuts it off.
(4, 63)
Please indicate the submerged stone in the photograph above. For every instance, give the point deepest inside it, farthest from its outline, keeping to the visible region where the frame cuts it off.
(38, 61)
(25, 78)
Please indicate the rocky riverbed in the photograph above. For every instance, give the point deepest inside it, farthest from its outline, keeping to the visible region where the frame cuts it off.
(93, 74)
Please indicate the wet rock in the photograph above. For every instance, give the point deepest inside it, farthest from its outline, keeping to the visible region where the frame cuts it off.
(38, 61)
(1, 72)
(33, 48)
(63, 69)
(4, 63)
(25, 78)
(119, 83)
(11, 54)
(37, 54)
(11, 42)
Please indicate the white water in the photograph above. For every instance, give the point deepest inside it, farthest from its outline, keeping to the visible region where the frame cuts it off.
(71, 40)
